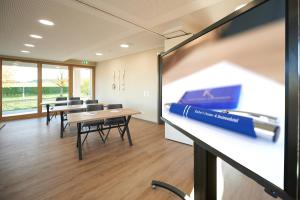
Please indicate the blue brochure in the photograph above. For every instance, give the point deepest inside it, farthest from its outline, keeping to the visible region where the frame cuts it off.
(213, 98)
(236, 123)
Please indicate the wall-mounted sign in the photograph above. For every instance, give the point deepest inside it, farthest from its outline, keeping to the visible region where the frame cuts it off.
(85, 62)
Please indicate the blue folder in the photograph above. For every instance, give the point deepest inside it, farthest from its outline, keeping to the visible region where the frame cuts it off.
(213, 98)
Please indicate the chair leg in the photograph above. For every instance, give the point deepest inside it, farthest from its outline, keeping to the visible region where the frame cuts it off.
(103, 134)
(120, 132)
(66, 125)
(100, 133)
(85, 138)
(123, 132)
(107, 134)
(86, 135)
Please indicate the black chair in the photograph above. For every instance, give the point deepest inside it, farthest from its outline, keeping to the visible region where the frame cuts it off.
(61, 99)
(76, 102)
(98, 124)
(74, 98)
(58, 104)
(91, 101)
(115, 122)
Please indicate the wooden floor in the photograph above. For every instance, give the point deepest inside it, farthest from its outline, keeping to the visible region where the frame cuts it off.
(36, 164)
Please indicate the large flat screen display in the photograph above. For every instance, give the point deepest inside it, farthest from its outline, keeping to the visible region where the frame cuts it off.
(227, 88)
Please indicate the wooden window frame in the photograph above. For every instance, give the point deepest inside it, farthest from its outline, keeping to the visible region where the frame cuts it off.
(40, 86)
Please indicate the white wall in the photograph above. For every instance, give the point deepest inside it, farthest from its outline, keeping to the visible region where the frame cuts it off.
(141, 83)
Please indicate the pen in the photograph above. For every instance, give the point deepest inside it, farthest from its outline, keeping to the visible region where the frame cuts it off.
(253, 125)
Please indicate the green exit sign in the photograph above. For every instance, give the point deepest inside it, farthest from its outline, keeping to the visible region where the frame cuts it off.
(85, 62)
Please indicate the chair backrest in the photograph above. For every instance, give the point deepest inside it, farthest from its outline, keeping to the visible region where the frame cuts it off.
(75, 102)
(74, 98)
(115, 120)
(60, 99)
(94, 107)
(91, 101)
(114, 106)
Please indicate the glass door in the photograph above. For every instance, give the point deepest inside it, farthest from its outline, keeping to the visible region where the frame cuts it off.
(82, 83)
(55, 82)
(19, 88)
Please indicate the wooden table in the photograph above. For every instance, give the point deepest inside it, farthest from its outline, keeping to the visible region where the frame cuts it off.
(48, 103)
(63, 109)
(55, 102)
(82, 117)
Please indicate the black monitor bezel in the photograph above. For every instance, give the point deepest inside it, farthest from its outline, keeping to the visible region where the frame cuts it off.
(292, 121)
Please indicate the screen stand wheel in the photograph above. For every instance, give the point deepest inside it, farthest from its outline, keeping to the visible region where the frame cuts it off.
(171, 188)
(205, 177)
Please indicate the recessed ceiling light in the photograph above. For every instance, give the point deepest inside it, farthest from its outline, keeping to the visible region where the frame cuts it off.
(29, 45)
(99, 54)
(36, 36)
(124, 45)
(240, 6)
(25, 51)
(46, 22)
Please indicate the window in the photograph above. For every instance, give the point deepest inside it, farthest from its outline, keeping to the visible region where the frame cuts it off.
(19, 88)
(82, 83)
(55, 82)
(27, 83)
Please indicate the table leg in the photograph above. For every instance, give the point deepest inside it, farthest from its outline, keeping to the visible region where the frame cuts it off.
(61, 124)
(79, 141)
(127, 130)
(48, 114)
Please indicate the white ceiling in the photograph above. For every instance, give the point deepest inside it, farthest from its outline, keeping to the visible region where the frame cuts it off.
(81, 30)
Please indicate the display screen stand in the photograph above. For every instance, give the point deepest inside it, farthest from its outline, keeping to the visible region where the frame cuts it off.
(205, 177)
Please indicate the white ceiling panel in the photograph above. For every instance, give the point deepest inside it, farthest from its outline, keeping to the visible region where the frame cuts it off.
(150, 13)
(84, 27)
(139, 42)
(73, 31)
